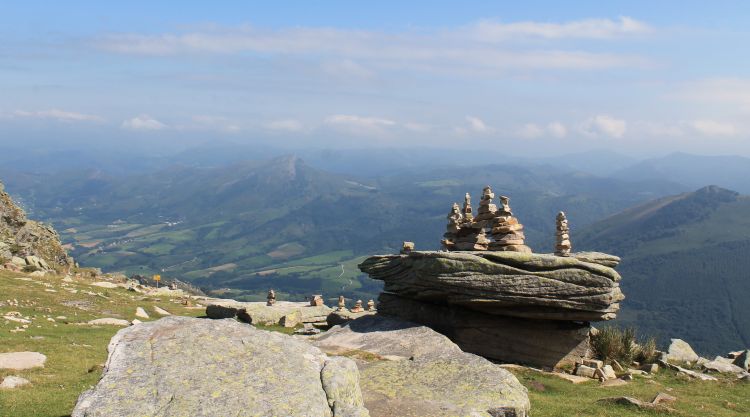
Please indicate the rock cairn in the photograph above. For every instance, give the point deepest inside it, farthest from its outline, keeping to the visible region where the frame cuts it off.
(562, 235)
(468, 233)
(271, 297)
(357, 307)
(507, 232)
(371, 305)
(342, 303)
(407, 247)
(316, 300)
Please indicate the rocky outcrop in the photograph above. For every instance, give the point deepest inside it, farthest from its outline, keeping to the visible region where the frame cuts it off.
(527, 285)
(409, 370)
(263, 314)
(510, 306)
(180, 366)
(25, 242)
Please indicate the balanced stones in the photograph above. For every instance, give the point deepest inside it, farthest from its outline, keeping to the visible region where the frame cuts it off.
(507, 232)
(371, 305)
(271, 297)
(465, 232)
(357, 307)
(342, 303)
(316, 300)
(562, 236)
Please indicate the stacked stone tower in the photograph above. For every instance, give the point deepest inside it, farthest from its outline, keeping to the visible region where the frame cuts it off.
(455, 218)
(507, 232)
(562, 236)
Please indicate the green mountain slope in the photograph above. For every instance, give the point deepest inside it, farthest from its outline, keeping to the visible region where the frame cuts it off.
(243, 228)
(685, 266)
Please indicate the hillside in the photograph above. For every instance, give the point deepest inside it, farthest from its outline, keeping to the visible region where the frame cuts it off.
(685, 265)
(243, 228)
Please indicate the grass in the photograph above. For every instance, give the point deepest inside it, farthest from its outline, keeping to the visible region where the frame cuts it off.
(74, 352)
(553, 397)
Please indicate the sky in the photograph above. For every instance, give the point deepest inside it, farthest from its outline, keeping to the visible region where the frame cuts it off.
(533, 77)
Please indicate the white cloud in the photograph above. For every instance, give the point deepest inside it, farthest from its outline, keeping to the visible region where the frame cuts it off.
(477, 125)
(361, 53)
(530, 131)
(604, 125)
(56, 114)
(417, 127)
(713, 128)
(733, 93)
(143, 122)
(285, 125)
(219, 123)
(359, 125)
(491, 31)
(557, 130)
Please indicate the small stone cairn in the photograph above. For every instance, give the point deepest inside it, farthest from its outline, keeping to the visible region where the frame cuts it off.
(507, 232)
(562, 236)
(342, 303)
(407, 247)
(371, 305)
(357, 307)
(316, 300)
(271, 297)
(469, 234)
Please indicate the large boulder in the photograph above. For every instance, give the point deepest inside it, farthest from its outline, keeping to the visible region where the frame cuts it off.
(526, 285)
(680, 351)
(181, 366)
(409, 370)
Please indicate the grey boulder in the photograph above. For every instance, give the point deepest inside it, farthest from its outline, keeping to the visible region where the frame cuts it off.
(680, 351)
(409, 370)
(181, 366)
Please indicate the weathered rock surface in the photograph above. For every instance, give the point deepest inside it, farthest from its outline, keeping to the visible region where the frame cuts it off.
(22, 360)
(414, 371)
(743, 360)
(30, 242)
(526, 285)
(224, 368)
(723, 365)
(680, 351)
(260, 313)
(337, 317)
(542, 343)
(109, 321)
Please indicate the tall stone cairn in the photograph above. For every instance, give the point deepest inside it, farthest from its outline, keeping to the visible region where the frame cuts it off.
(507, 232)
(487, 208)
(455, 218)
(471, 235)
(562, 236)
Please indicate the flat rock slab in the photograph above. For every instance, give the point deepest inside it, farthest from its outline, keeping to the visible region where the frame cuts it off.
(343, 316)
(12, 381)
(527, 285)
(182, 366)
(109, 321)
(22, 360)
(417, 372)
(260, 313)
(162, 312)
(105, 284)
(140, 312)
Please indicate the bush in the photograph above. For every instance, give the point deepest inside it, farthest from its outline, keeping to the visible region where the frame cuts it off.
(612, 343)
(646, 352)
(30, 268)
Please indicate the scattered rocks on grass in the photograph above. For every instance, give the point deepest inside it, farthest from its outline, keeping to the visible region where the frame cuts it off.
(22, 360)
(12, 381)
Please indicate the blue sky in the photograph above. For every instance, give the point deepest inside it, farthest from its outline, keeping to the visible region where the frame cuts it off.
(537, 77)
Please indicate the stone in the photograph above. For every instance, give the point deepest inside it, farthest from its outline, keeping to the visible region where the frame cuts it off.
(613, 383)
(290, 320)
(586, 371)
(135, 321)
(342, 303)
(542, 343)
(19, 361)
(271, 297)
(688, 372)
(358, 307)
(662, 398)
(600, 258)
(285, 376)
(719, 365)
(650, 368)
(371, 305)
(343, 316)
(105, 284)
(680, 351)
(18, 261)
(407, 247)
(562, 242)
(617, 367)
(261, 313)
(109, 321)
(316, 300)
(609, 373)
(534, 286)
(593, 363)
(634, 402)
(140, 312)
(425, 374)
(162, 312)
(12, 381)
(743, 360)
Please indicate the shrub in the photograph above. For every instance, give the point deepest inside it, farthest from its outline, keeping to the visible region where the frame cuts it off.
(612, 343)
(646, 351)
(30, 268)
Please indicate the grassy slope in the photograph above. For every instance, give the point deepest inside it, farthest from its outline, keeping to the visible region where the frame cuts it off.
(72, 350)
